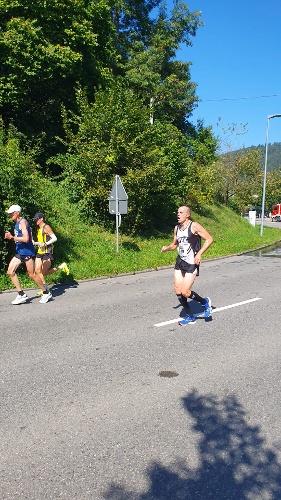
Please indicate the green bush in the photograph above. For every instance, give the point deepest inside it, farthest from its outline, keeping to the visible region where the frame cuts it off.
(114, 137)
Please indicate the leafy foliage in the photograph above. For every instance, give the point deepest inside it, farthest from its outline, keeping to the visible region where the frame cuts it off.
(21, 182)
(273, 157)
(114, 136)
(239, 179)
(202, 147)
(49, 49)
(45, 49)
(104, 78)
(273, 189)
(154, 73)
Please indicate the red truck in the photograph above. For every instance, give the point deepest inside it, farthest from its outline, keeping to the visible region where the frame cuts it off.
(276, 212)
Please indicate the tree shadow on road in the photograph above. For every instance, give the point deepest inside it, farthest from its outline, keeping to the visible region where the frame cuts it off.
(234, 460)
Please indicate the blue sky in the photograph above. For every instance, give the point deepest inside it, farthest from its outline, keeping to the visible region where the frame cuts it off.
(236, 61)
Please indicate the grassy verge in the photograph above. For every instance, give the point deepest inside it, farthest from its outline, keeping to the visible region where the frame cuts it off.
(91, 251)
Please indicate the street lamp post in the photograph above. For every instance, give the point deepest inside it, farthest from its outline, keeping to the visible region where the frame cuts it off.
(265, 167)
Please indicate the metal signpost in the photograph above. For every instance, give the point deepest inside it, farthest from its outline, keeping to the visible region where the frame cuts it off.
(265, 167)
(118, 203)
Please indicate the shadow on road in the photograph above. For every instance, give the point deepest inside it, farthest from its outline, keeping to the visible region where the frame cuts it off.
(60, 288)
(235, 462)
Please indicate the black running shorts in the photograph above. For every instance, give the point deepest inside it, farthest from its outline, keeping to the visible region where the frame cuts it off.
(44, 256)
(184, 267)
(24, 258)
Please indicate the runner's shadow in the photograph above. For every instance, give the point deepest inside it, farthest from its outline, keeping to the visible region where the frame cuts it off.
(60, 288)
(197, 310)
(56, 290)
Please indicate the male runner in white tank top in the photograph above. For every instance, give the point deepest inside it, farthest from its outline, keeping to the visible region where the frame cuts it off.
(187, 240)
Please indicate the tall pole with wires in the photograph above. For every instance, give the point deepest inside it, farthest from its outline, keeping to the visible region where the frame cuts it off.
(265, 169)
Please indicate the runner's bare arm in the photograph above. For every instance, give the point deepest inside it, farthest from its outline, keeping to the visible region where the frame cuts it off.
(201, 231)
(172, 245)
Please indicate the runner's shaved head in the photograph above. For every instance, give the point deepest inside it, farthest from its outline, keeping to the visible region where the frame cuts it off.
(185, 209)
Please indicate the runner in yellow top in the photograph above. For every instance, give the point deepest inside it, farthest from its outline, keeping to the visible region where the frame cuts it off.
(45, 248)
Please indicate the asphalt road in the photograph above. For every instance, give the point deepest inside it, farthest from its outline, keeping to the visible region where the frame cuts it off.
(86, 412)
(268, 222)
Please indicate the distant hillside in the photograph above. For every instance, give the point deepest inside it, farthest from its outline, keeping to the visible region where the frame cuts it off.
(273, 155)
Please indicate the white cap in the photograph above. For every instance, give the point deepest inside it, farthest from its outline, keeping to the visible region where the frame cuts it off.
(14, 208)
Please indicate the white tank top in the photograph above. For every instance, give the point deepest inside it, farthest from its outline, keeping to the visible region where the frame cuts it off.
(188, 244)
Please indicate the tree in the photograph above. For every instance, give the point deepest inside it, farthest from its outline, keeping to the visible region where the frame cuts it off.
(202, 148)
(273, 188)
(239, 178)
(49, 49)
(20, 182)
(153, 71)
(103, 77)
(113, 136)
(46, 49)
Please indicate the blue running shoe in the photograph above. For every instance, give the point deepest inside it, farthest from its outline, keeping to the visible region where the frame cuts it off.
(207, 307)
(186, 320)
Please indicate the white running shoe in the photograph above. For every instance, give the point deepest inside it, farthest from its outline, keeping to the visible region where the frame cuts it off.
(45, 298)
(40, 291)
(20, 299)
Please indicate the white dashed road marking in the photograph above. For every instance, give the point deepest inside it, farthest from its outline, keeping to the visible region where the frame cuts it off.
(217, 309)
